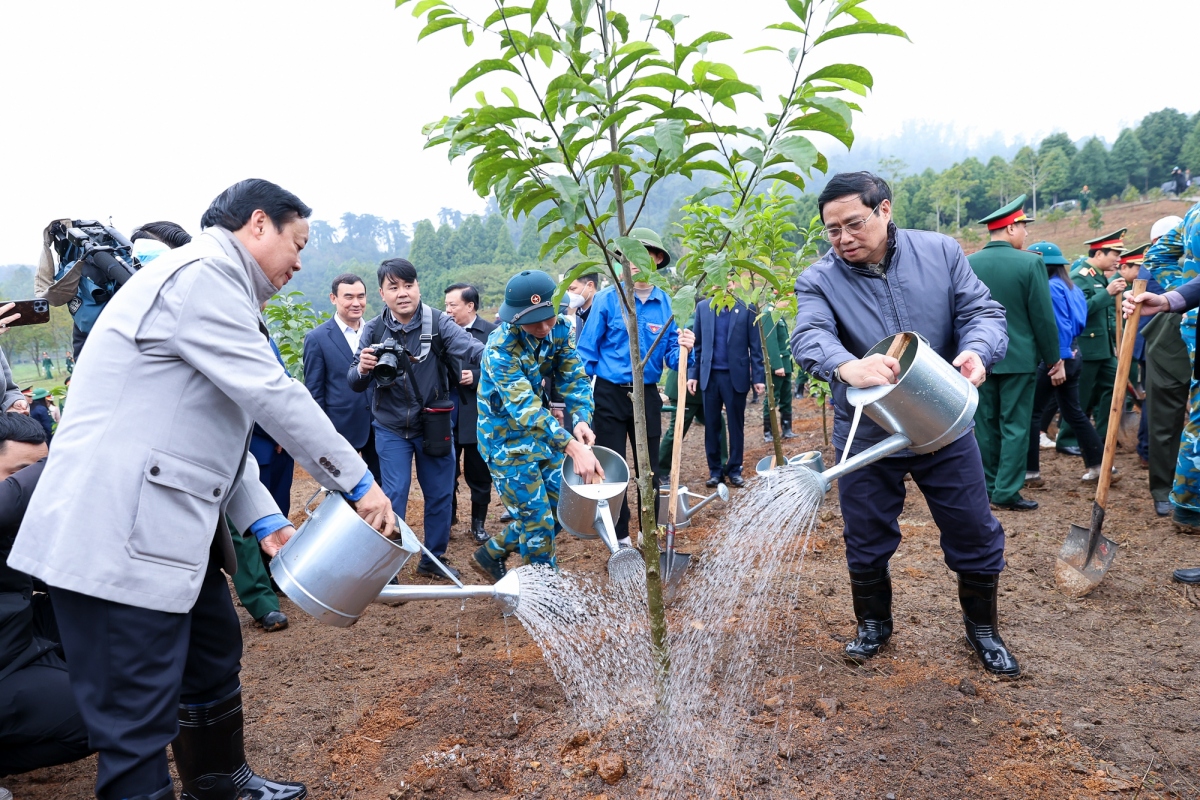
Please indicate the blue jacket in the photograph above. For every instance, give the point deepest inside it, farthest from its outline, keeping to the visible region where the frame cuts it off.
(842, 311)
(744, 346)
(603, 344)
(327, 359)
(1070, 314)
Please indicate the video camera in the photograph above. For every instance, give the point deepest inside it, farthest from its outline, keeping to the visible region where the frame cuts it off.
(106, 261)
(393, 358)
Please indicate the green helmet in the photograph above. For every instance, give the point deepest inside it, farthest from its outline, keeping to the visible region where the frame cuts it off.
(1050, 253)
(651, 240)
(528, 298)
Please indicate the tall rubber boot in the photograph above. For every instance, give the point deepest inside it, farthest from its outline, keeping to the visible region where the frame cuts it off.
(211, 758)
(977, 594)
(872, 594)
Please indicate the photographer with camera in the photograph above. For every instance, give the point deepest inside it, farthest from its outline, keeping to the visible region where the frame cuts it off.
(413, 354)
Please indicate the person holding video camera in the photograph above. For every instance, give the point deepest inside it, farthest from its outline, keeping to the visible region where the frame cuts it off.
(413, 354)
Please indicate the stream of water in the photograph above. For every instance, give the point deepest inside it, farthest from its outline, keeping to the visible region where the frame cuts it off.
(728, 626)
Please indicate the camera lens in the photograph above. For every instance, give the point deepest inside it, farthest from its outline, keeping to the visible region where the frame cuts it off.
(386, 369)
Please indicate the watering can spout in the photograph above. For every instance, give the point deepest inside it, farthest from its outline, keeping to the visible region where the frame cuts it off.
(506, 592)
(893, 444)
(722, 492)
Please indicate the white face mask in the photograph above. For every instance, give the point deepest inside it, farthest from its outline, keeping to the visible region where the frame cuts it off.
(146, 250)
(574, 300)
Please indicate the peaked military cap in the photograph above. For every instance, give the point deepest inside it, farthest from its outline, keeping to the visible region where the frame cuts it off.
(1109, 241)
(1135, 256)
(1007, 215)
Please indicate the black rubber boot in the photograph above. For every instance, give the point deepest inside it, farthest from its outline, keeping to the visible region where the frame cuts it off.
(478, 518)
(977, 594)
(872, 594)
(787, 430)
(211, 758)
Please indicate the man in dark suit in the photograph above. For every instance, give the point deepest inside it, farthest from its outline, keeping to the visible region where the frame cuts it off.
(729, 357)
(328, 350)
(462, 303)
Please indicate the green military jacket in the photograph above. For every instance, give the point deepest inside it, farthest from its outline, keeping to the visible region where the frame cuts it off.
(1097, 342)
(779, 354)
(1018, 281)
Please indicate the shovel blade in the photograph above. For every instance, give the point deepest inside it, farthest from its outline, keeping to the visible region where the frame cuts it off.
(672, 569)
(1075, 573)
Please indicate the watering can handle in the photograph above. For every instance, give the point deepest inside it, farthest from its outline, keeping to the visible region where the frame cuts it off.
(898, 346)
(308, 505)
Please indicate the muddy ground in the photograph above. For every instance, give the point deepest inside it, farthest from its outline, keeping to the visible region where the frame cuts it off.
(417, 701)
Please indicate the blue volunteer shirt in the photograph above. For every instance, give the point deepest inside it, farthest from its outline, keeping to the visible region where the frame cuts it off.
(604, 342)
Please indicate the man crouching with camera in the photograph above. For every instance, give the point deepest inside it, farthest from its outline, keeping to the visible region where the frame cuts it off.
(413, 353)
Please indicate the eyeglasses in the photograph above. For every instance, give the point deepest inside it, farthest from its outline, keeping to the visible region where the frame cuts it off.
(853, 228)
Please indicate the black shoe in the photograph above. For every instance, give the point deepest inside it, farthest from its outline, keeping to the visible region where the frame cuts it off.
(735, 480)
(1018, 503)
(1187, 575)
(768, 436)
(977, 594)
(872, 594)
(430, 570)
(1069, 451)
(272, 621)
(491, 568)
(506, 517)
(211, 759)
(478, 531)
(787, 431)
(1162, 508)
(712, 481)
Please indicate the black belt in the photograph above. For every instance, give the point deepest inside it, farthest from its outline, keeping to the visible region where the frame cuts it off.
(624, 385)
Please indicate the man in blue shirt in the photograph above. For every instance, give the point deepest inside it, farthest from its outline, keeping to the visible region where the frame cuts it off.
(604, 347)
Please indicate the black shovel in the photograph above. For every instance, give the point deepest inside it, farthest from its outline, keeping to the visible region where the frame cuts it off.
(1087, 554)
(673, 564)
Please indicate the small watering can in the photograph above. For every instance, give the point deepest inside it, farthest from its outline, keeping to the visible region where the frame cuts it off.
(929, 407)
(583, 509)
(683, 511)
(336, 564)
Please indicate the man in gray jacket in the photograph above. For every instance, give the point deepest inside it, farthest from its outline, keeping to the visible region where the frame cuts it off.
(874, 282)
(149, 460)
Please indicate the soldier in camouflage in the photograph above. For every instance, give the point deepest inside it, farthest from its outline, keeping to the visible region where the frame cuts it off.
(522, 439)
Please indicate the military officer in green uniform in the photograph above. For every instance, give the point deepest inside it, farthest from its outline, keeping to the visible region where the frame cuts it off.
(1017, 280)
(779, 356)
(1097, 277)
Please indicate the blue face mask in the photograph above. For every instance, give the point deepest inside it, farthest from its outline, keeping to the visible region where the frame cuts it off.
(146, 250)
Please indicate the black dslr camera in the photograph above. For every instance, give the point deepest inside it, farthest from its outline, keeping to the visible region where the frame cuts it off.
(393, 359)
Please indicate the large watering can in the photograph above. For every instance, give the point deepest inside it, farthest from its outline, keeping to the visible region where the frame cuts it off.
(929, 407)
(684, 511)
(584, 510)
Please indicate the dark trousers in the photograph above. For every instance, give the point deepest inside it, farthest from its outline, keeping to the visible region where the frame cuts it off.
(434, 473)
(613, 425)
(693, 412)
(370, 456)
(1096, 380)
(1168, 380)
(720, 393)
(1066, 401)
(40, 724)
(1002, 424)
(953, 484)
(131, 668)
(479, 479)
(783, 399)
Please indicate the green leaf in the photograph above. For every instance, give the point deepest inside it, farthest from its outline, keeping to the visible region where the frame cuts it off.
(668, 135)
(708, 38)
(637, 47)
(566, 188)
(861, 27)
(659, 80)
(481, 69)
(763, 47)
(536, 12)
(786, 176)
(851, 72)
(440, 24)
(852, 86)
(683, 305)
(547, 54)
(636, 252)
(619, 22)
(730, 88)
(799, 8)
(834, 105)
(511, 95)
(424, 6)
(786, 26)
(611, 159)
(502, 13)
(799, 150)
(825, 122)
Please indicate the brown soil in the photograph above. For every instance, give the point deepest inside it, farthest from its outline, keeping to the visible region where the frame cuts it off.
(418, 701)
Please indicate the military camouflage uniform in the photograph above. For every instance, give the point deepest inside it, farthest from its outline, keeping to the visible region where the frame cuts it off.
(1163, 260)
(522, 442)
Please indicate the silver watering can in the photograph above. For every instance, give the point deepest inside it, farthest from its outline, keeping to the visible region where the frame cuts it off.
(929, 407)
(336, 565)
(683, 512)
(584, 510)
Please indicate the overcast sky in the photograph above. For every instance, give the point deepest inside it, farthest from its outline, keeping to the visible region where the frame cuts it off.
(144, 109)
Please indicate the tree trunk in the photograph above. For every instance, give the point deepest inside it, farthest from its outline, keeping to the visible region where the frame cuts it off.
(772, 403)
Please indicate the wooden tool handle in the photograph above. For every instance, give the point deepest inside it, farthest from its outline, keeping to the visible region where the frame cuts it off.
(898, 346)
(1120, 321)
(677, 443)
(1118, 396)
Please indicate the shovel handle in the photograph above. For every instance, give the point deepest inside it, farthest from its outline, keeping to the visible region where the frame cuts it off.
(898, 346)
(1124, 359)
(677, 443)
(1120, 323)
